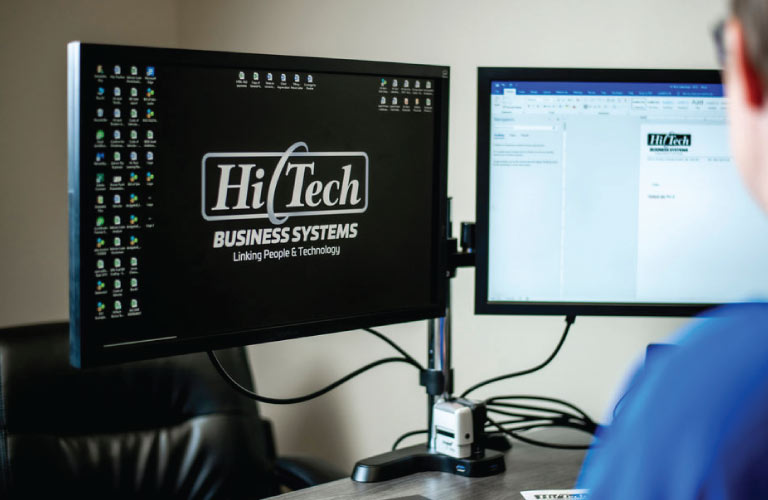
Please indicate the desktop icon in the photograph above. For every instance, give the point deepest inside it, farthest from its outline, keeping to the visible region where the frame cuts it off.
(134, 70)
(118, 305)
(116, 113)
(134, 113)
(116, 199)
(429, 84)
(134, 135)
(134, 304)
(417, 84)
(310, 79)
(150, 134)
(99, 221)
(406, 84)
(100, 69)
(117, 241)
(117, 92)
(269, 77)
(150, 156)
(383, 100)
(296, 78)
(100, 91)
(100, 307)
(394, 83)
(255, 75)
(99, 242)
(133, 177)
(117, 263)
(150, 71)
(429, 102)
(134, 282)
(100, 285)
(241, 75)
(116, 221)
(116, 135)
(416, 102)
(100, 200)
(133, 220)
(100, 113)
(134, 92)
(133, 241)
(150, 177)
(100, 156)
(405, 101)
(100, 264)
(99, 178)
(283, 78)
(383, 82)
(150, 92)
(116, 156)
(394, 100)
(117, 284)
(134, 261)
(99, 135)
(117, 69)
(133, 156)
(150, 113)
(133, 198)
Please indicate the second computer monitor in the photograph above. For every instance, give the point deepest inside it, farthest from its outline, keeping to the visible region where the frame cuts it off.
(611, 192)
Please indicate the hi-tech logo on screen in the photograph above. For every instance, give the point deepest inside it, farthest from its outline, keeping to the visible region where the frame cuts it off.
(277, 186)
(669, 140)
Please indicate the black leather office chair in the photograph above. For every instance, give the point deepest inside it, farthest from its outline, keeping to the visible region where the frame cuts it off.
(165, 428)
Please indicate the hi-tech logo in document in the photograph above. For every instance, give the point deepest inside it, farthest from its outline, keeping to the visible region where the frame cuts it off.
(277, 186)
(669, 140)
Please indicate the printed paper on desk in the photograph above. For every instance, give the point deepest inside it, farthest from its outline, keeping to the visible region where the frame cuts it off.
(547, 494)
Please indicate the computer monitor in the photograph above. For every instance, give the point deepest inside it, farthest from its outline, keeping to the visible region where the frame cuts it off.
(221, 199)
(611, 192)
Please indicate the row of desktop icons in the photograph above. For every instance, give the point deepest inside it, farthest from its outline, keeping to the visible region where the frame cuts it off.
(405, 101)
(134, 113)
(133, 70)
(117, 242)
(118, 92)
(118, 179)
(256, 76)
(406, 84)
(118, 156)
(117, 263)
(117, 135)
(117, 220)
(117, 199)
(118, 305)
(117, 284)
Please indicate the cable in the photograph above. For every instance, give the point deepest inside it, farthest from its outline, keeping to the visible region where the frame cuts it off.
(578, 410)
(535, 442)
(569, 320)
(407, 435)
(395, 346)
(275, 401)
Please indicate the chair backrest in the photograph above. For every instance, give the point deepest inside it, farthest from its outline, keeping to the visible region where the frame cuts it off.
(164, 428)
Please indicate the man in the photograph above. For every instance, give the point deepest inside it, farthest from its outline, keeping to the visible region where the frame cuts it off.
(696, 425)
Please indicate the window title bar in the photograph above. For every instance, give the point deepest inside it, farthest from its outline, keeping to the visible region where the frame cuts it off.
(608, 89)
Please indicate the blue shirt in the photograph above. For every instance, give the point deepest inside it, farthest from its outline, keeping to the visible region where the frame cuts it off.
(695, 425)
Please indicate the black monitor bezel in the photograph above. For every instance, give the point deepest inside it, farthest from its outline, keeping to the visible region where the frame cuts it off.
(85, 353)
(485, 75)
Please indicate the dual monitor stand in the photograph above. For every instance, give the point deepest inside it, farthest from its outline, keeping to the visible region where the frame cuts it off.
(438, 382)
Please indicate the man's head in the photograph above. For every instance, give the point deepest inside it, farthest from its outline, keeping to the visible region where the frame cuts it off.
(746, 78)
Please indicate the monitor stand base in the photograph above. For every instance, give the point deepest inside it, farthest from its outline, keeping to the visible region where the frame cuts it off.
(419, 458)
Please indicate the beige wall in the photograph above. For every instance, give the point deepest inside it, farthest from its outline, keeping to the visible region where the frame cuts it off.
(364, 416)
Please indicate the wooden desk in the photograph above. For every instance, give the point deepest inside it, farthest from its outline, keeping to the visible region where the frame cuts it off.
(528, 468)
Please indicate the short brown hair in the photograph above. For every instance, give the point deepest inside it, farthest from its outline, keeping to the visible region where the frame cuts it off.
(753, 16)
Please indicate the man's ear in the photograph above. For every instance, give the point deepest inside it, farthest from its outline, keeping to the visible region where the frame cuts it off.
(740, 63)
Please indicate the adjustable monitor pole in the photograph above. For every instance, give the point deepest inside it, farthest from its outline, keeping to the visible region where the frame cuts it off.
(438, 381)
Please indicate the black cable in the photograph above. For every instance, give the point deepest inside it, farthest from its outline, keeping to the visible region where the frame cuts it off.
(405, 436)
(512, 406)
(275, 401)
(535, 442)
(575, 408)
(395, 346)
(569, 320)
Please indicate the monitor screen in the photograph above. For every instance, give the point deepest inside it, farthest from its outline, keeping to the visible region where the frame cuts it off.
(221, 199)
(611, 192)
